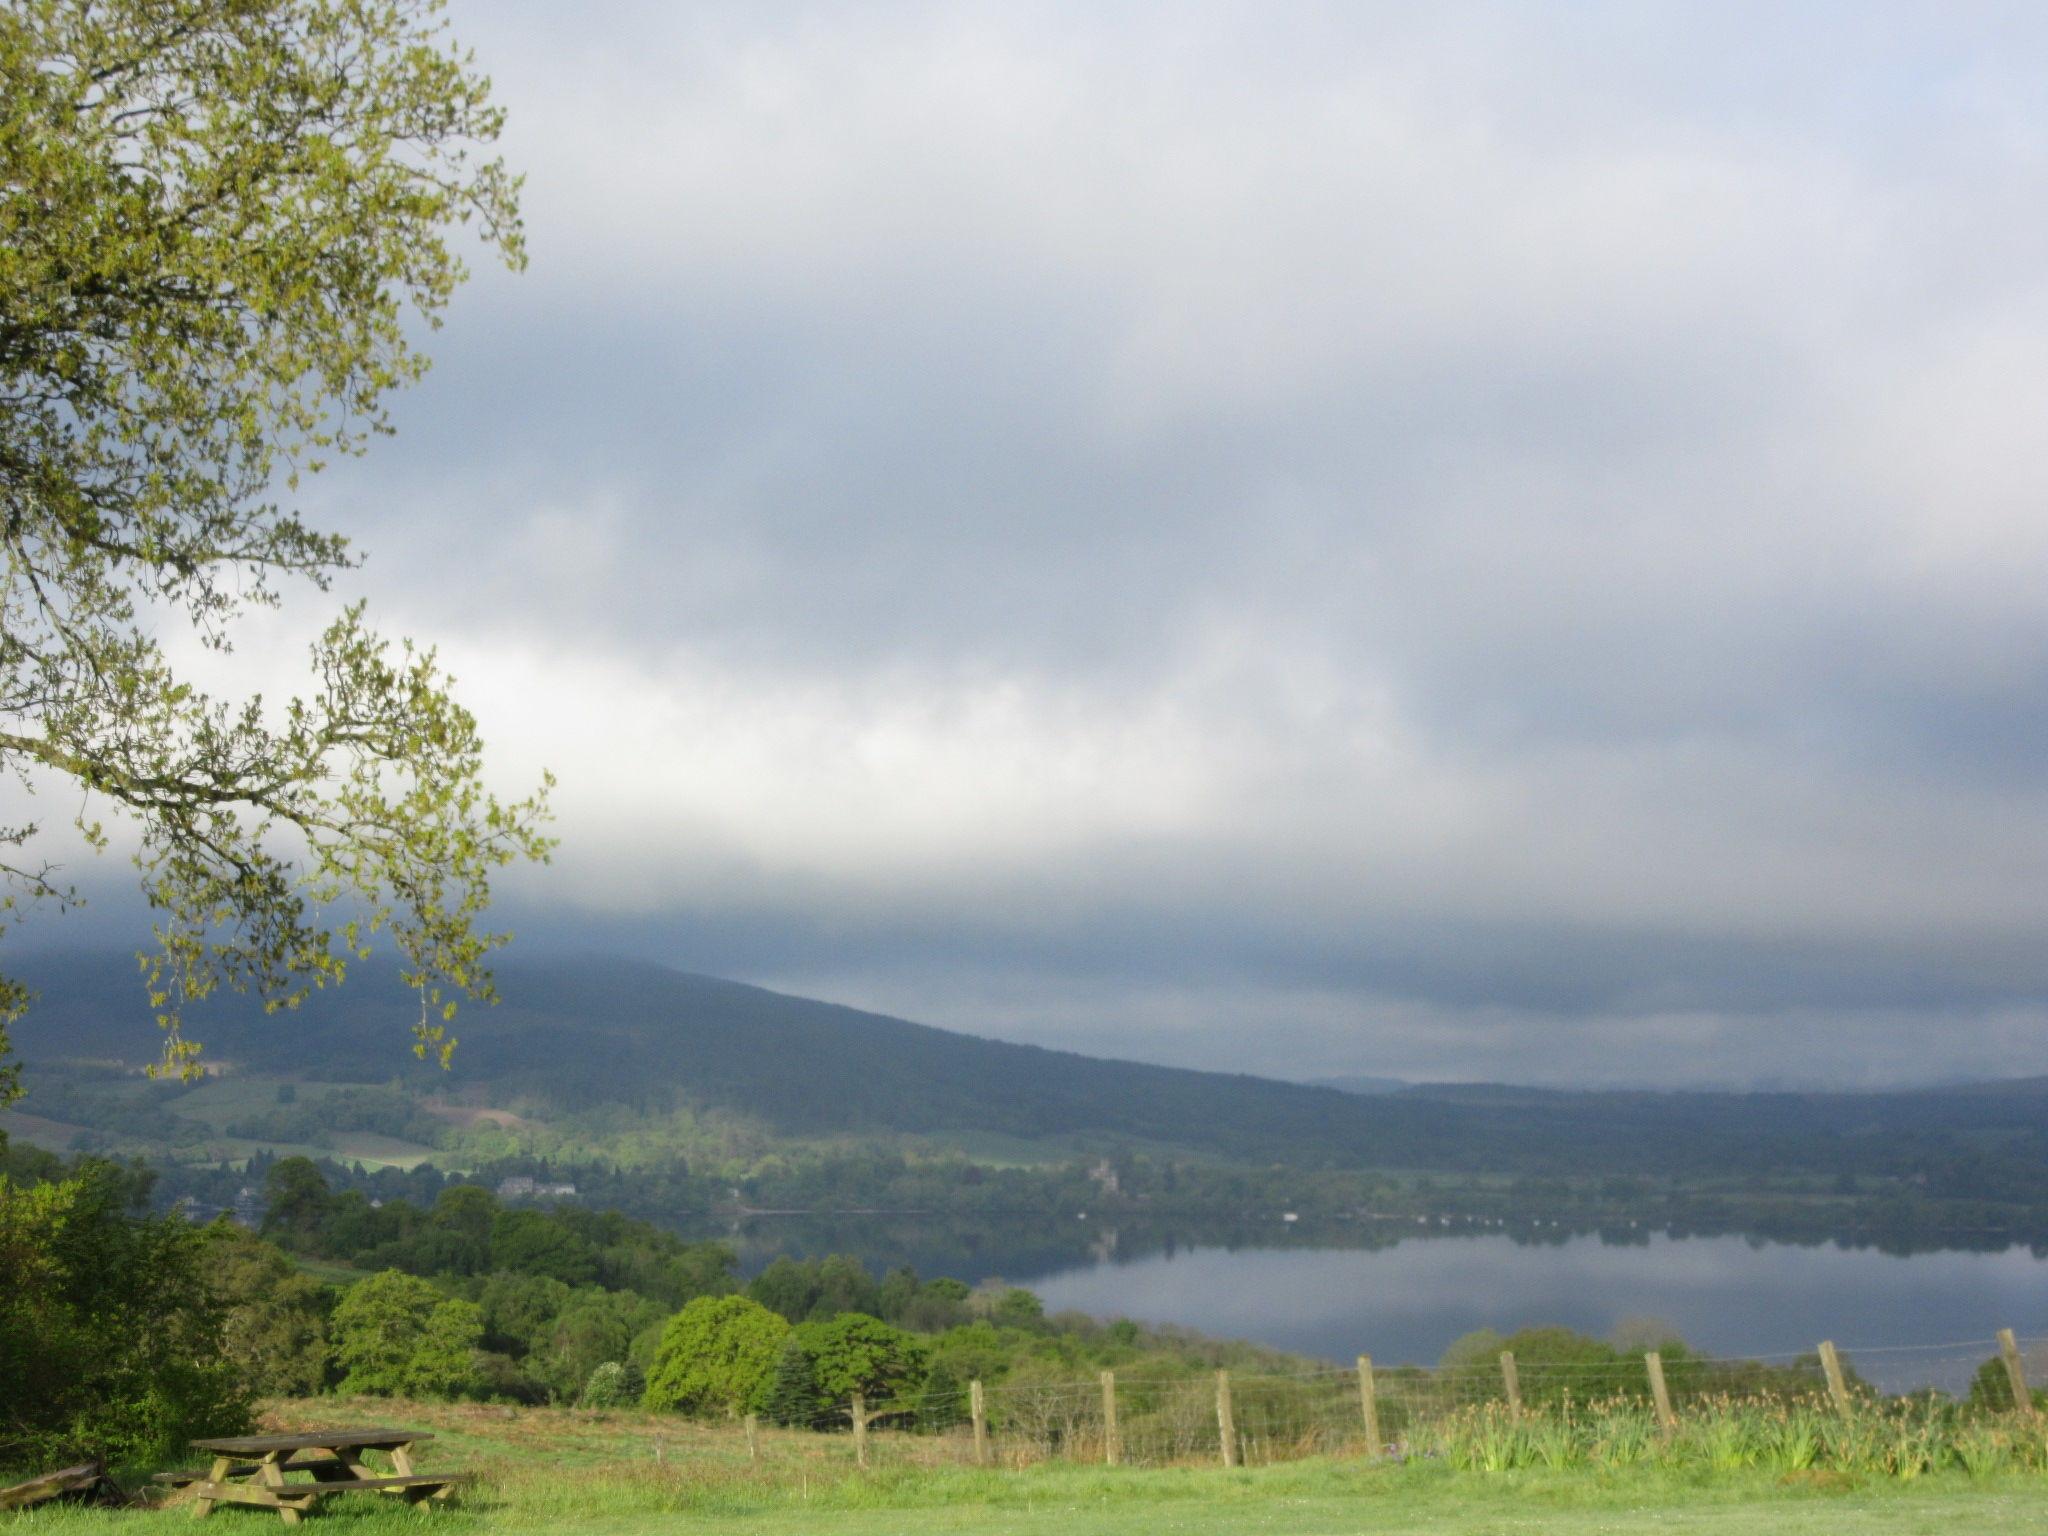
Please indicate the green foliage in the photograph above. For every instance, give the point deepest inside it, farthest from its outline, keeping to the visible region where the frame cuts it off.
(1016, 1307)
(112, 1343)
(296, 1201)
(715, 1357)
(217, 219)
(518, 1310)
(610, 1386)
(856, 1353)
(532, 1243)
(1991, 1389)
(396, 1336)
(596, 1326)
(793, 1399)
(274, 1326)
(941, 1399)
(1897, 1438)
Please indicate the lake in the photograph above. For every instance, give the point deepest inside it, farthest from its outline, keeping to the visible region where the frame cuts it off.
(1927, 1318)
(1924, 1318)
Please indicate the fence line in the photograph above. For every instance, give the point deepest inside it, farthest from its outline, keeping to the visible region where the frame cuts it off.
(1667, 1401)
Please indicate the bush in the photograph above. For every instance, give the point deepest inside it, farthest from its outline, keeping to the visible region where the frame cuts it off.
(396, 1336)
(274, 1316)
(111, 1340)
(715, 1356)
(610, 1386)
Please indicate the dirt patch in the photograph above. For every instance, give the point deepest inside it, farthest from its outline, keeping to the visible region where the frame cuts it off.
(472, 1114)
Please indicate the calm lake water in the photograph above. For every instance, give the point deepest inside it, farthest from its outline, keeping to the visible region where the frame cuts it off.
(1927, 1318)
(1724, 1295)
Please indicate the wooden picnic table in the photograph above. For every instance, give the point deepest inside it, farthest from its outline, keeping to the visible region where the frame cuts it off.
(254, 1469)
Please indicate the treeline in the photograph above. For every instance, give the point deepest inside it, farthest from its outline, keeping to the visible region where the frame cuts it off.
(1145, 1193)
(125, 1333)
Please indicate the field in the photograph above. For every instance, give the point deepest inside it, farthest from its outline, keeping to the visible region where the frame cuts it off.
(622, 1474)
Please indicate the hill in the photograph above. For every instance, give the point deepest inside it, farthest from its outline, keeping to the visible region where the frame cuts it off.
(625, 1040)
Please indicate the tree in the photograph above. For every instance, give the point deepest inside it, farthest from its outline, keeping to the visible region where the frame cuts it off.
(534, 1243)
(786, 1286)
(274, 1322)
(597, 1326)
(111, 1341)
(396, 1336)
(715, 1357)
(215, 217)
(296, 1202)
(941, 1400)
(609, 1386)
(844, 1285)
(857, 1353)
(469, 1210)
(792, 1399)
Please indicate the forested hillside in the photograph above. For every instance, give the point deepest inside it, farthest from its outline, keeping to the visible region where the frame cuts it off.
(614, 1043)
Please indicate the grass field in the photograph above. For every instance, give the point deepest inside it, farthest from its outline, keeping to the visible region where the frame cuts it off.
(624, 1474)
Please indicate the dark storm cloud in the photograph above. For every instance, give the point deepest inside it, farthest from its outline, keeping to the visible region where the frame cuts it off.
(1488, 540)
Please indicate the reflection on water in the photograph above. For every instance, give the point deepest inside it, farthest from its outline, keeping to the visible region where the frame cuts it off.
(1402, 1298)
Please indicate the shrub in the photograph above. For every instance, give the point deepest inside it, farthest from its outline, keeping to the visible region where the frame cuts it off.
(396, 1336)
(715, 1356)
(111, 1340)
(274, 1315)
(608, 1387)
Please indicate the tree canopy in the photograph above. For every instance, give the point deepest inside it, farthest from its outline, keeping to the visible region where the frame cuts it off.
(716, 1356)
(218, 220)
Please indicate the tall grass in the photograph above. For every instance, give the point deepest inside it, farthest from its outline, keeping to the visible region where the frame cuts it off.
(1901, 1438)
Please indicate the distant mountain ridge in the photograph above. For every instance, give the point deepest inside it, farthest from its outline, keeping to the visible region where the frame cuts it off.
(592, 1035)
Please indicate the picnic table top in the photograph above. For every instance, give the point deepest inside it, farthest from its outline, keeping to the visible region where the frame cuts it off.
(314, 1439)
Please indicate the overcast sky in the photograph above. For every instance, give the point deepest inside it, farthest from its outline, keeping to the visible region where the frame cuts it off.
(1494, 541)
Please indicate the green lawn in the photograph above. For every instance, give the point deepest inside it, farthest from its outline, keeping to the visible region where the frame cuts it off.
(626, 1474)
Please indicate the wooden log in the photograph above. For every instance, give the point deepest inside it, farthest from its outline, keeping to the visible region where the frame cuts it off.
(1369, 1404)
(80, 1482)
(1511, 1379)
(2016, 1373)
(977, 1407)
(1112, 1442)
(860, 1429)
(1667, 1421)
(1226, 1420)
(1838, 1385)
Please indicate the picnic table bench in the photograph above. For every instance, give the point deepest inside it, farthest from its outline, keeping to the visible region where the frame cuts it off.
(251, 1469)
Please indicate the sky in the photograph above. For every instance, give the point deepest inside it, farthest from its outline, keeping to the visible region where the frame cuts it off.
(1459, 541)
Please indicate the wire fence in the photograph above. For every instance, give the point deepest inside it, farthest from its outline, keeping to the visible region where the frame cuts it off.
(1897, 1407)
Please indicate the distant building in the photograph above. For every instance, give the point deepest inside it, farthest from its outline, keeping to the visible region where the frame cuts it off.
(247, 1209)
(522, 1187)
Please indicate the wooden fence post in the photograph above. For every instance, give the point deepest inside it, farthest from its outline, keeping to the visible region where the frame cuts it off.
(1369, 1403)
(1226, 1421)
(1667, 1421)
(1512, 1380)
(979, 1409)
(1112, 1443)
(2015, 1372)
(860, 1429)
(754, 1438)
(1838, 1386)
